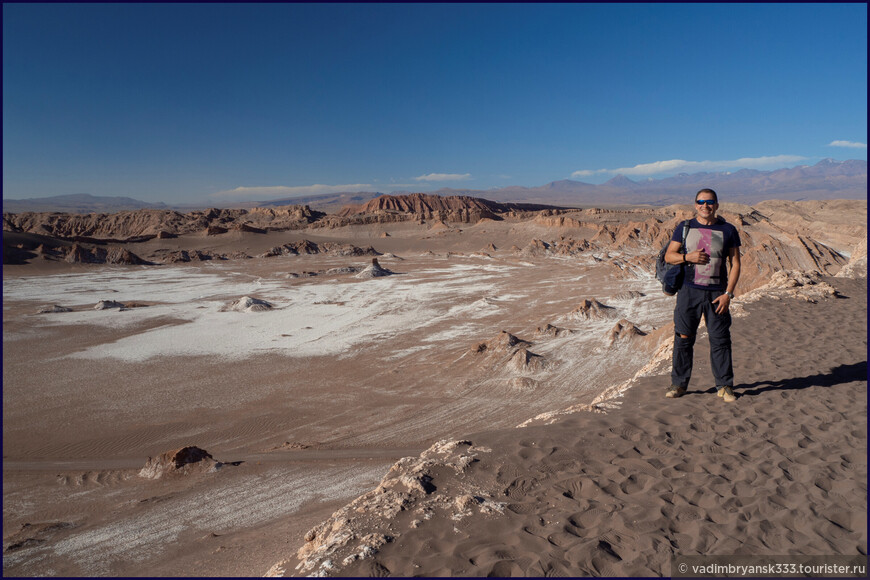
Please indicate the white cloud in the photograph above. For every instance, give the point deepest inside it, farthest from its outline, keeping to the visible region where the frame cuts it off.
(444, 177)
(683, 166)
(279, 191)
(588, 172)
(853, 144)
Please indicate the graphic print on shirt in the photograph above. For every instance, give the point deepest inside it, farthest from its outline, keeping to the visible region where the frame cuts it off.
(713, 243)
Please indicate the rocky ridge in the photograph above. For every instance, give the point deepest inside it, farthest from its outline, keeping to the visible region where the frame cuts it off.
(775, 235)
(454, 208)
(146, 224)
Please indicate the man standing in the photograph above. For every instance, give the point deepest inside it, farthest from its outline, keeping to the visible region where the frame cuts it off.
(713, 267)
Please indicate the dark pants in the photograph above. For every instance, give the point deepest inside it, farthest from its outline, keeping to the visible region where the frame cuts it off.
(692, 304)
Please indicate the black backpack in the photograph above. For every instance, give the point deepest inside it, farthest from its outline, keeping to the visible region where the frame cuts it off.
(672, 275)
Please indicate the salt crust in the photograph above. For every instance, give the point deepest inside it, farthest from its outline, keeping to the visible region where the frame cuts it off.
(232, 506)
(307, 320)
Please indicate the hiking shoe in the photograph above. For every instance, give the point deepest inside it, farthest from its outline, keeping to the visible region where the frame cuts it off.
(727, 394)
(675, 392)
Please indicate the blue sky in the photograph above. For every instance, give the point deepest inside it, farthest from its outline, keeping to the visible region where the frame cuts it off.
(232, 102)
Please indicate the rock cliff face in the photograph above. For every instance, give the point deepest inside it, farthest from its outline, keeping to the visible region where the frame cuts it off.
(142, 225)
(421, 206)
(421, 203)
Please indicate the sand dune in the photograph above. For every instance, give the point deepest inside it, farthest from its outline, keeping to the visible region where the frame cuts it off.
(781, 471)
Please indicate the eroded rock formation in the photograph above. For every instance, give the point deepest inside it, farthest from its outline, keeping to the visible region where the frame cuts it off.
(374, 270)
(624, 331)
(182, 461)
(592, 309)
(248, 304)
(508, 351)
(553, 331)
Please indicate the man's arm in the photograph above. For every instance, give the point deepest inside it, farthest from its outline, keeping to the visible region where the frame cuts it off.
(724, 301)
(673, 255)
(734, 268)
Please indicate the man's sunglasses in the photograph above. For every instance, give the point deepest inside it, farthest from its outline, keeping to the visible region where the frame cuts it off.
(705, 201)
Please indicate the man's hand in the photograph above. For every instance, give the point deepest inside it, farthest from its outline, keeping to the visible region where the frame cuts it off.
(722, 303)
(698, 257)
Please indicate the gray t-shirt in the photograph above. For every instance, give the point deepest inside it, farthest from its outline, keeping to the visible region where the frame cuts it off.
(716, 240)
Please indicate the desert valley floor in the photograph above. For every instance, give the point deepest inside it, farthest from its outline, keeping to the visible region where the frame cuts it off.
(307, 376)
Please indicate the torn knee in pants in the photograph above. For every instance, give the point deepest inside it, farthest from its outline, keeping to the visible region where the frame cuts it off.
(684, 339)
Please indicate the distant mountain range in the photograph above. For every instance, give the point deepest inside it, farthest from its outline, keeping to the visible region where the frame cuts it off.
(827, 179)
(327, 202)
(78, 203)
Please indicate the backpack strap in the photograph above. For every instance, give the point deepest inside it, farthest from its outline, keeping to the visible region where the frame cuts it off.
(685, 235)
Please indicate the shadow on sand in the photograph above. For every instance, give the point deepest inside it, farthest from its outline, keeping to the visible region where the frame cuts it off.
(837, 376)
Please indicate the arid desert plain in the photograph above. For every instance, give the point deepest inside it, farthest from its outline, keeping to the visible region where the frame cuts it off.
(422, 386)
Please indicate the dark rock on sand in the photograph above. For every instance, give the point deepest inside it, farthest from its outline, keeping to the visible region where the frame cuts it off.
(184, 461)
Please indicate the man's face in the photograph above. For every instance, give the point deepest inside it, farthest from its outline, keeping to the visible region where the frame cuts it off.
(706, 210)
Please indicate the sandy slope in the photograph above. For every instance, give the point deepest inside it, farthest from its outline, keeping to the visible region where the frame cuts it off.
(781, 471)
